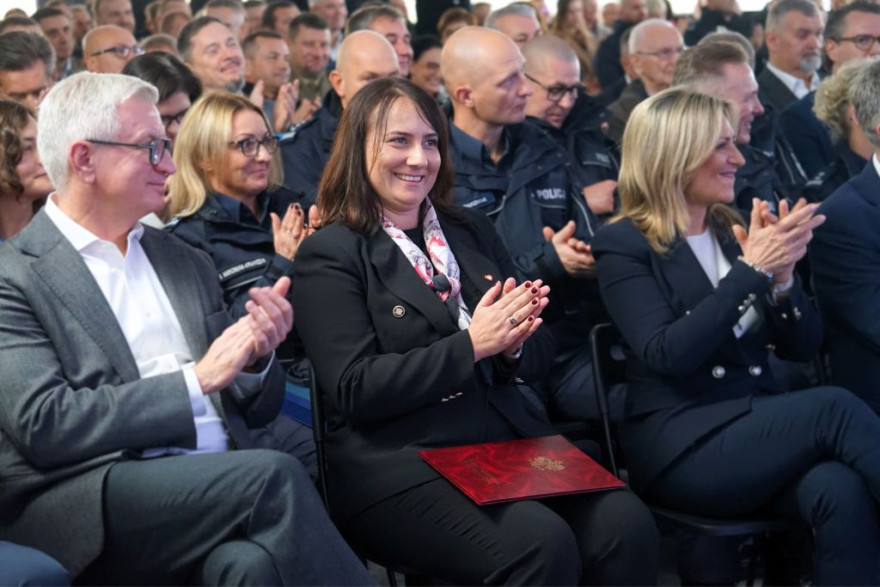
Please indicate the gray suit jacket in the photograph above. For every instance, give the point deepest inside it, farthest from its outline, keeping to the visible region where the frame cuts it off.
(71, 399)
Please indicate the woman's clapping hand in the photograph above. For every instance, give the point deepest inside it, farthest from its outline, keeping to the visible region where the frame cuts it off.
(506, 316)
(774, 243)
(289, 232)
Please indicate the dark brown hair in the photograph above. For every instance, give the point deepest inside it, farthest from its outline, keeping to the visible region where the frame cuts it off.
(345, 193)
(13, 118)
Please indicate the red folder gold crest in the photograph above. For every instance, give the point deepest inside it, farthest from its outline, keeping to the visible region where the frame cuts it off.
(528, 468)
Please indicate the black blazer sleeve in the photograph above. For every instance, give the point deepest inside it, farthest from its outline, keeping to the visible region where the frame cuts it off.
(652, 310)
(372, 370)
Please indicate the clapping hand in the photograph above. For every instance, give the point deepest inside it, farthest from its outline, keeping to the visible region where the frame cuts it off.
(285, 106)
(600, 196)
(574, 254)
(506, 316)
(251, 337)
(776, 244)
(289, 232)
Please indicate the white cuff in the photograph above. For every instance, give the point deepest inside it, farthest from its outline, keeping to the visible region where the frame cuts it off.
(196, 395)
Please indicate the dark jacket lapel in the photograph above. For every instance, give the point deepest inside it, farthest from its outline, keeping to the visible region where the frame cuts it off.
(867, 183)
(684, 274)
(182, 290)
(62, 269)
(474, 264)
(399, 276)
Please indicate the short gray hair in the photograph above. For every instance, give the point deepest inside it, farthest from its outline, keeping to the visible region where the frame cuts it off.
(514, 9)
(83, 106)
(780, 8)
(864, 95)
(639, 32)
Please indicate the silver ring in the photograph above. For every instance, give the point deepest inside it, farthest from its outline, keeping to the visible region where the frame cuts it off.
(512, 321)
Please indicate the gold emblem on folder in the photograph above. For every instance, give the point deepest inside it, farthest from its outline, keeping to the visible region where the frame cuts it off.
(546, 464)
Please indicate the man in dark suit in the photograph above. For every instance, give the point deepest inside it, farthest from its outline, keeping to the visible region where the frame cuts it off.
(851, 32)
(118, 360)
(794, 39)
(845, 257)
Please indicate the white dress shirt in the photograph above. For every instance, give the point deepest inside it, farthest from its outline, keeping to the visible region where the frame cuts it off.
(716, 266)
(797, 86)
(145, 315)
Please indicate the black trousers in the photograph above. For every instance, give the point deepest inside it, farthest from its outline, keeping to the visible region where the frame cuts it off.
(606, 538)
(813, 455)
(248, 517)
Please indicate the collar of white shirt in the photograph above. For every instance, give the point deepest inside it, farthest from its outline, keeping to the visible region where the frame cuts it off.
(797, 86)
(78, 235)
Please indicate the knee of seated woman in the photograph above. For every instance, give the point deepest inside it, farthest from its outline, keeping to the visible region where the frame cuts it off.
(833, 396)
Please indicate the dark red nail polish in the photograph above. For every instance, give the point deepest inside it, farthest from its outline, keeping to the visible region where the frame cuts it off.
(531, 318)
(527, 284)
(534, 290)
(535, 302)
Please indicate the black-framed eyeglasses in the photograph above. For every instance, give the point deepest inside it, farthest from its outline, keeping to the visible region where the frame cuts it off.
(156, 147)
(167, 120)
(862, 42)
(121, 51)
(664, 54)
(555, 93)
(251, 145)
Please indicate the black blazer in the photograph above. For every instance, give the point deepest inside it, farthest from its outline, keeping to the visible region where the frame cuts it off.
(845, 259)
(773, 93)
(397, 372)
(687, 373)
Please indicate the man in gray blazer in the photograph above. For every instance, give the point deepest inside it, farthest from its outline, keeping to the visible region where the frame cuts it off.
(118, 360)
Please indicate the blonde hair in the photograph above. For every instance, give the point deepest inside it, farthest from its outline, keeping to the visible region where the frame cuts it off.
(203, 138)
(667, 138)
(832, 98)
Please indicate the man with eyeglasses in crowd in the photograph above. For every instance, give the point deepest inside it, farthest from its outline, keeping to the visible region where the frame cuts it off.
(27, 63)
(513, 171)
(851, 32)
(654, 47)
(120, 330)
(106, 49)
(559, 107)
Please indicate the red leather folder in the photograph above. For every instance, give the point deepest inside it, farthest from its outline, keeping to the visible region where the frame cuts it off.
(528, 468)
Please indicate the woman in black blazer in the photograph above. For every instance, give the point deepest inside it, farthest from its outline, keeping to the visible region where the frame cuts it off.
(415, 353)
(699, 301)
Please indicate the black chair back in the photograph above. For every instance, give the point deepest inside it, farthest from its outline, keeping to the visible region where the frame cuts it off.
(319, 429)
(609, 368)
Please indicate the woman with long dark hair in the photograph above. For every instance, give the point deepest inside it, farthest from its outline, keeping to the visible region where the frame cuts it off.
(418, 334)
